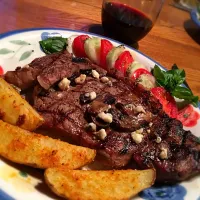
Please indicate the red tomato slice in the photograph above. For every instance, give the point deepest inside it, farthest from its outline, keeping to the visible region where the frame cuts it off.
(138, 73)
(78, 46)
(106, 46)
(1, 71)
(167, 101)
(188, 116)
(123, 61)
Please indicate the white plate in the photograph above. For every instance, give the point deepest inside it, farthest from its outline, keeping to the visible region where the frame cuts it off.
(23, 183)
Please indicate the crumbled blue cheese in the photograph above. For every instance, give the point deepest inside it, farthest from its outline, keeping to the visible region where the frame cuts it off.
(95, 74)
(104, 79)
(158, 140)
(163, 154)
(93, 95)
(80, 79)
(91, 126)
(140, 109)
(64, 84)
(106, 117)
(150, 124)
(101, 134)
(137, 137)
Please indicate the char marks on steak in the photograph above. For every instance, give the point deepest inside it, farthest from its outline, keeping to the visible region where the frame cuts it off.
(138, 132)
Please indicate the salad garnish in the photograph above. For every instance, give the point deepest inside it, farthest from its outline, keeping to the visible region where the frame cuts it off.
(172, 81)
(54, 44)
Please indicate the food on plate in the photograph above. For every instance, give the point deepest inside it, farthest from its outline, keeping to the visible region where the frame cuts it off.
(167, 101)
(107, 112)
(188, 116)
(137, 73)
(123, 61)
(26, 77)
(106, 47)
(78, 46)
(81, 184)
(133, 67)
(70, 41)
(53, 44)
(113, 56)
(146, 81)
(21, 146)
(15, 110)
(171, 80)
(92, 48)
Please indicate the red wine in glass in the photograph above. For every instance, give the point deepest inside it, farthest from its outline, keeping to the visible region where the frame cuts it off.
(124, 23)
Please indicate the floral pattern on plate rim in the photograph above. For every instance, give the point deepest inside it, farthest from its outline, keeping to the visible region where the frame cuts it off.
(174, 192)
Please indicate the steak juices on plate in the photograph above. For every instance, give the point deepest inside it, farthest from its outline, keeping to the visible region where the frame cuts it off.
(101, 110)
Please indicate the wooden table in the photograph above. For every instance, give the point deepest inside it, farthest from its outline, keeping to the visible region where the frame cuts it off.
(174, 38)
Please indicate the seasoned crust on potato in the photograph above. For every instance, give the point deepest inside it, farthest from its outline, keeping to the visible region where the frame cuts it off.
(98, 185)
(21, 146)
(15, 110)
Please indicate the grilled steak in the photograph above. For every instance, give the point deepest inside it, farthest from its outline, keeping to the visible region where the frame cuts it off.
(126, 125)
(26, 77)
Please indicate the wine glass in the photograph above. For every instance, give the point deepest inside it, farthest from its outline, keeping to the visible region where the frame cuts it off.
(129, 20)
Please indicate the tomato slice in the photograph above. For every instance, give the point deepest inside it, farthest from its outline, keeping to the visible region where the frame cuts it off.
(1, 71)
(138, 73)
(167, 101)
(123, 61)
(188, 116)
(106, 46)
(78, 46)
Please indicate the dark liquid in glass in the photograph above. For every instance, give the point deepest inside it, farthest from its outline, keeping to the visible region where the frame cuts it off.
(124, 23)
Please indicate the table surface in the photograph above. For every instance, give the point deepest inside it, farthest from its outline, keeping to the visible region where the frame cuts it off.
(173, 39)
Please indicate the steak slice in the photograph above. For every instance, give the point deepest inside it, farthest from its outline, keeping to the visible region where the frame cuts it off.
(26, 77)
(126, 125)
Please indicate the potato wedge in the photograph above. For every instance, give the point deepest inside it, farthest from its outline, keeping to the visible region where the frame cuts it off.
(98, 185)
(21, 146)
(15, 110)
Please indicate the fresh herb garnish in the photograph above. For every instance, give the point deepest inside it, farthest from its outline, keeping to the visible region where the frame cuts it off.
(171, 80)
(54, 44)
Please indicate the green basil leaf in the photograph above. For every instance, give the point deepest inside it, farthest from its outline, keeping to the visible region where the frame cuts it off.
(54, 44)
(181, 92)
(160, 76)
(195, 101)
(178, 77)
(186, 94)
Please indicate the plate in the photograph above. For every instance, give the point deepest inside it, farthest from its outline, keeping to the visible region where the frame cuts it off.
(19, 48)
(195, 17)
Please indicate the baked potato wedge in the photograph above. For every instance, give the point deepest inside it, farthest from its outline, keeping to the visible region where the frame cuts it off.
(98, 185)
(15, 110)
(24, 147)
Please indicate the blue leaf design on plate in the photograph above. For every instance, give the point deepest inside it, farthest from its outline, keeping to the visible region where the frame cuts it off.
(5, 51)
(46, 35)
(173, 192)
(25, 55)
(19, 42)
(198, 198)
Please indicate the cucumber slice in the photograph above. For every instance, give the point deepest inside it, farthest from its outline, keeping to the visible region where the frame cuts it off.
(113, 56)
(92, 49)
(133, 67)
(70, 41)
(147, 81)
